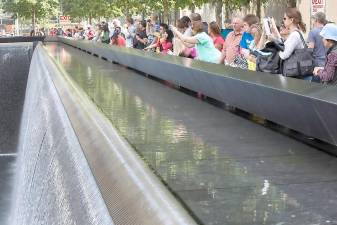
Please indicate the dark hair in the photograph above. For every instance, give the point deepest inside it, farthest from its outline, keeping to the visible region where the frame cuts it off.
(143, 23)
(169, 38)
(296, 15)
(195, 17)
(251, 19)
(165, 26)
(181, 24)
(170, 35)
(185, 19)
(105, 27)
(215, 29)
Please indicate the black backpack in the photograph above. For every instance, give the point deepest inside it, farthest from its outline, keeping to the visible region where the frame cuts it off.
(272, 63)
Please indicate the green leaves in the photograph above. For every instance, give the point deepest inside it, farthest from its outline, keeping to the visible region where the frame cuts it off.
(26, 8)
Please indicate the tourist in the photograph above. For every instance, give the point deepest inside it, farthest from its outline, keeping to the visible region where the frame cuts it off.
(164, 42)
(215, 33)
(315, 39)
(187, 26)
(131, 32)
(140, 41)
(179, 49)
(105, 35)
(90, 33)
(202, 42)
(98, 33)
(328, 74)
(231, 47)
(117, 38)
(293, 22)
(152, 27)
(252, 31)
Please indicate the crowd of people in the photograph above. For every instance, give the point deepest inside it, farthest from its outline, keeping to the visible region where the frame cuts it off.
(247, 42)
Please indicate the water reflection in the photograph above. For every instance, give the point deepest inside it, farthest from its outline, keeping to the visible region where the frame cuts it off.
(216, 187)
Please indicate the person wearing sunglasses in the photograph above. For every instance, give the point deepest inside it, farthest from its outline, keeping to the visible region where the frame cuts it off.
(293, 22)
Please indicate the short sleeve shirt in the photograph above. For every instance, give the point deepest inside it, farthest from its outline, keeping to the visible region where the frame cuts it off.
(246, 40)
(206, 50)
(218, 40)
(319, 51)
(232, 46)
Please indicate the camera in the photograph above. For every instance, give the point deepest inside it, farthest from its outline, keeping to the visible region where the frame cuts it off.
(267, 24)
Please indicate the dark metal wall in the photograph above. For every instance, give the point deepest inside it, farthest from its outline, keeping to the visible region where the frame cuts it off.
(300, 105)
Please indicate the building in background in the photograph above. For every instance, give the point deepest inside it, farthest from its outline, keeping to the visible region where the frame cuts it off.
(7, 24)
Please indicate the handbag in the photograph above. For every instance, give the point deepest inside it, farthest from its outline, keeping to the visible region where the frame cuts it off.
(240, 60)
(300, 63)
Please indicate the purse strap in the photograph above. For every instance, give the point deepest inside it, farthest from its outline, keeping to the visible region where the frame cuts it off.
(303, 41)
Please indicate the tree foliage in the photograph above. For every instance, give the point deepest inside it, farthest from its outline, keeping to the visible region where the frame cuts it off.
(28, 8)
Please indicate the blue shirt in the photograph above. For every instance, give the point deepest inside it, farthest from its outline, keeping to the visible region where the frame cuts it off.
(319, 51)
(246, 40)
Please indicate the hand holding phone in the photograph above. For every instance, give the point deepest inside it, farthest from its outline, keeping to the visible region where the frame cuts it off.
(267, 26)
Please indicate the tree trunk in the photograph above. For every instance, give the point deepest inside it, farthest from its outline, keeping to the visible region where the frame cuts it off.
(218, 12)
(33, 21)
(90, 19)
(193, 8)
(292, 3)
(176, 14)
(166, 11)
(258, 8)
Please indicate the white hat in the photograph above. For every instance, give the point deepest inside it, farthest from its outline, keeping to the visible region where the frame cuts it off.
(329, 32)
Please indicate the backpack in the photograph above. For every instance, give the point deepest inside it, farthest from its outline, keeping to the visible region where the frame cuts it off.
(271, 63)
(300, 63)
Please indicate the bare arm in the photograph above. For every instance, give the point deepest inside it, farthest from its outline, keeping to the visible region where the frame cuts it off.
(188, 45)
(311, 45)
(189, 40)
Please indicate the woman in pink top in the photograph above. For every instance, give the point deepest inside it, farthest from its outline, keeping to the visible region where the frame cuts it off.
(215, 33)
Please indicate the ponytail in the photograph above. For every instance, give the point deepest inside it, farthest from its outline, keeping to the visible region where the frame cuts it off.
(302, 26)
(297, 18)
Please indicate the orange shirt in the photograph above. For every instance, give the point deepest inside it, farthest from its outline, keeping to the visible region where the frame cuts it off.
(231, 46)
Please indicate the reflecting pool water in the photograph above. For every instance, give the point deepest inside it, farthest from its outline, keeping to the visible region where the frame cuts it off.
(223, 168)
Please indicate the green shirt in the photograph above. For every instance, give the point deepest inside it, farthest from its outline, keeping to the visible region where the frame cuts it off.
(206, 50)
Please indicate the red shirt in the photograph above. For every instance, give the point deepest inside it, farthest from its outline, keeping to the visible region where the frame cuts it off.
(218, 41)
(166, 46)
(120, 41)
